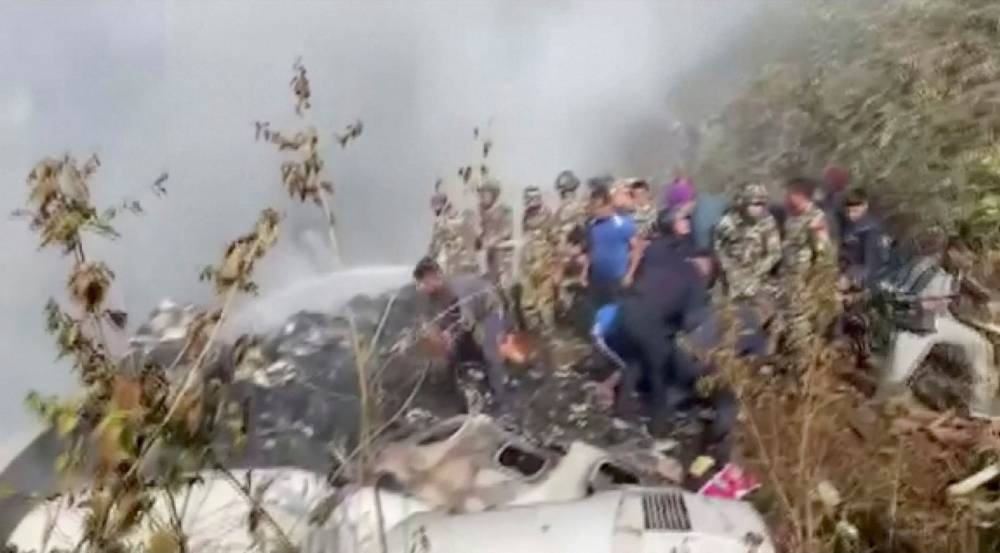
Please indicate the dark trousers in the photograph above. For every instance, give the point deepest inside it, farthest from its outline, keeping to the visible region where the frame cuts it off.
(681, 394)
(644, 345)
(603, 292)
(467, 349)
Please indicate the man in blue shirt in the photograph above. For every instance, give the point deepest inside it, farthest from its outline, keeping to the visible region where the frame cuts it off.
(611, 248)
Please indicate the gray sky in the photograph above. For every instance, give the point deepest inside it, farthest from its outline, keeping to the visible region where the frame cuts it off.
(175, 87)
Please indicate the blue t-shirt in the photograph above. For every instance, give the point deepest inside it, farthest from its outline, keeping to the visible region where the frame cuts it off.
(609, 247)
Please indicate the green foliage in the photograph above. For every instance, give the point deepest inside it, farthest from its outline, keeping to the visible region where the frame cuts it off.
(904, 93)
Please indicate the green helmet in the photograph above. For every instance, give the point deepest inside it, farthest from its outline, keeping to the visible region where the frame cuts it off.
(532, 196)
(567, 181)
(752, 192)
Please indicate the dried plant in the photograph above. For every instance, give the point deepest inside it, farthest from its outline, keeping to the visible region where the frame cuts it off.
(477, 172)
(303, 174)
(132, 433)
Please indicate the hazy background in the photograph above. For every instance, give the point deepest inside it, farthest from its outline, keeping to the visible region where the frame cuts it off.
(155, 87)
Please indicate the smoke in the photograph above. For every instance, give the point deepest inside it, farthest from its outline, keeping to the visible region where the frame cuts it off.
(176, 87)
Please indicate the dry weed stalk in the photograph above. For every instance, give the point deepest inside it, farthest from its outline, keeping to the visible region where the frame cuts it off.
(128, 414)
(302, 175)
(840, 473)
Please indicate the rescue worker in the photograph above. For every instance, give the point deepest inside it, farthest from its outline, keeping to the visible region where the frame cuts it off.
(611, 249)
(496, 222)
(705, 209)
(865, 247)
(748, 244)
(671, 244)
(637, 333)
(808, 262)
(621, 198)
(570, 220)
(467, 316)
(645, 211)
(453, 237)
(538, 256)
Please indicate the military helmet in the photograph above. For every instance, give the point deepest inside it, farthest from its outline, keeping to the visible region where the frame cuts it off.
(532, 196)
(567, 181)
(490, 185)
(752, 192)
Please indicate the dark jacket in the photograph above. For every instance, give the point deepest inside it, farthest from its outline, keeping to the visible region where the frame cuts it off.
(864, 250)
(665, 251)
(677, 293)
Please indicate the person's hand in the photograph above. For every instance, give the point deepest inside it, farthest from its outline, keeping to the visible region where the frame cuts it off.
(843, 283)
(627, 281)
(511, 350)
(604, 394)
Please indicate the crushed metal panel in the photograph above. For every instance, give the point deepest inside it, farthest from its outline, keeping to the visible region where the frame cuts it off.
(665, 511)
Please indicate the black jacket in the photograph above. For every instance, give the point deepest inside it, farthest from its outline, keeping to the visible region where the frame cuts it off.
(864, 250)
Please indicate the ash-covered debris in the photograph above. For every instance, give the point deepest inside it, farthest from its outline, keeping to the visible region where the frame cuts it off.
(301, 384)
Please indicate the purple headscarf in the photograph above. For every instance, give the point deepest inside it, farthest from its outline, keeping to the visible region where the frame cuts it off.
(680, 192)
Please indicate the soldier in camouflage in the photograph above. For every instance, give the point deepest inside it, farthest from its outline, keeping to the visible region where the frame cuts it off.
(570, 215)
(810, 267)
(496, 236)
(539, 238)
(453, 238)
(645, 209)
(748, 245)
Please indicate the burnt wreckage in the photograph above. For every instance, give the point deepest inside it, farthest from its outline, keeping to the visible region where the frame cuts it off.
(300, 383)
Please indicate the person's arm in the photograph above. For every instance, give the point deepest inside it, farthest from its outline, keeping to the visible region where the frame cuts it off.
(628, 230)
(772, 249)
(823, 249)
(723, 235)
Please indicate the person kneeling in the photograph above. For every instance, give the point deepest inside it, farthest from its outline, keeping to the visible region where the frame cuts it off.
(469, 319)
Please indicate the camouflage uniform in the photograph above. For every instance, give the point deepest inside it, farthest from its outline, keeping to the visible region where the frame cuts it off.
(453, 238)
(645, 219)
(570, 214)
(496, 222)
(810, 272)
(748, 248)
(538, 253)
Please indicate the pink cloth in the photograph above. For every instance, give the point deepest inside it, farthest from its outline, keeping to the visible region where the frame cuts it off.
(732, 482)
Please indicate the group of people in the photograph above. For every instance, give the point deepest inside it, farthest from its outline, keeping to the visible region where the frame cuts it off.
(648, 274)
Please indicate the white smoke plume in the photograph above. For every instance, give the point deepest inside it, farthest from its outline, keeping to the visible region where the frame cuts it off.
(176, 87)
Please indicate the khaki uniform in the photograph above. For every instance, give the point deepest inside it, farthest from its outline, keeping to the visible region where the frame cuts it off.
(497, 239)
(570, 214)
(748, 250)
(538, 256)
(645, 220)
(810, 272)
(453, 242)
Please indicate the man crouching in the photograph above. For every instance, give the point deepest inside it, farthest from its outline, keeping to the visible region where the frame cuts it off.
(469, 320)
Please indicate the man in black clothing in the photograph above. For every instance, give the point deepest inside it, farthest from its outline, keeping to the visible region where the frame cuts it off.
(637, 333)
(672, 243)
(864, 248)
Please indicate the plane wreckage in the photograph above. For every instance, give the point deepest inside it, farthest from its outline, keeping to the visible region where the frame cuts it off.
(558, 473)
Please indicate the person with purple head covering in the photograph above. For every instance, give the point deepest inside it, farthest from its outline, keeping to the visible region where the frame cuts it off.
(706, 209)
